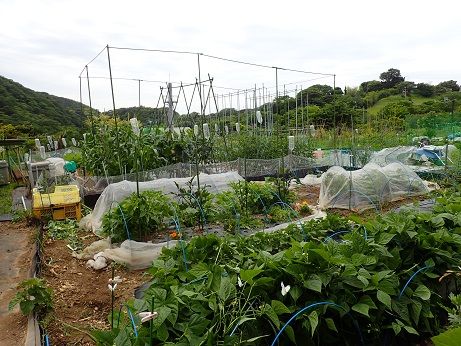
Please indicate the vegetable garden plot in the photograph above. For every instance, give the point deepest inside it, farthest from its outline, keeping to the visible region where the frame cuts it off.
(117, 192)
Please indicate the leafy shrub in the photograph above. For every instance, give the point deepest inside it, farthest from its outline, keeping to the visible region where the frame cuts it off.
(149, 213)
(65, 230)
(33, 297)
(280, 214)
(193, 203)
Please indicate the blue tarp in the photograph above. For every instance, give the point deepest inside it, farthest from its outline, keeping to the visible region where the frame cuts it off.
(436, 154)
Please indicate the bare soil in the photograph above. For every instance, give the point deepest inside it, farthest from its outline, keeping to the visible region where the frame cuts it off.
(16, 253)
(82, 300)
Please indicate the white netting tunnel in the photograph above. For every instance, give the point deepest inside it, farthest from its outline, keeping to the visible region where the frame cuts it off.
(117, 192)
(369, 187)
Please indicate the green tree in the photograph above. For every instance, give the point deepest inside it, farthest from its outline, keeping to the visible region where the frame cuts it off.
(449, 85)
(372, 85)
(425, 90)
(391, 77)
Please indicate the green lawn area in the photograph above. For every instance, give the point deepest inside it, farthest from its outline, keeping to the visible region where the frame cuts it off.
(6, 200)
(417, 100)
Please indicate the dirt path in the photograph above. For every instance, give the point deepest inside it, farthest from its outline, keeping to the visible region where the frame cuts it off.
(16, 253)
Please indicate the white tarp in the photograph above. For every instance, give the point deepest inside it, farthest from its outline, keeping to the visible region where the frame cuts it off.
(368, 187)
(117, 192)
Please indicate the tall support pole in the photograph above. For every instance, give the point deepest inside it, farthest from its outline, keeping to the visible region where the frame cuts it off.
(238, 106)
(302, 110)
(89, 100)
(170, 108)
(81, 99)
(200, 89)
(255, 121)
(334, 112)
(246, 108)
(113, 109)
(334, 118)
(139, 93)
(276, 90)
(296, 111)
(288, 107)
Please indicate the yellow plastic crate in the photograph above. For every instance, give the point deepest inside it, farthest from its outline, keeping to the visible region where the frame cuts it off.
(68, 194)
(63, 203)
(59, 212)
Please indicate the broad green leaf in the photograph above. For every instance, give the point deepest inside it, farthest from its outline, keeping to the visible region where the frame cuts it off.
(410, 330)
(422, 292)
(314, 285)
(248, 274)
(396, 327)
(363, 280)
(401, 309)
(449, 338)
(163, 313)
(272, 315)
(367, 300)
(226, 289)
(291, 334)
(412, 234)
(162, 333)
(384, 238)
(331, 324)
(314, 321)
(295, 292)
(384, 298)
(361, 308)
(279, 307)
(198, 324)
(242, 320)
(122, 338)
(416, 307)
(437, 221)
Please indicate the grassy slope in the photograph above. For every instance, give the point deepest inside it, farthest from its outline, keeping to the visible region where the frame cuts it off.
(395, 98)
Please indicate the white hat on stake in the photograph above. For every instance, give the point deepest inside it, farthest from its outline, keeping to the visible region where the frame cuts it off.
(259, 117)
(42, 152)
(206, 131)
(291, 143)
(135, 126)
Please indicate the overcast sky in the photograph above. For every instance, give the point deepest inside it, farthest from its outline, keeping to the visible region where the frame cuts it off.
(45, 44)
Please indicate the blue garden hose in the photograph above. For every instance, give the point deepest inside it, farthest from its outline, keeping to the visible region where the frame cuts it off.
(132, 322)
(410, 279)
(299, 312)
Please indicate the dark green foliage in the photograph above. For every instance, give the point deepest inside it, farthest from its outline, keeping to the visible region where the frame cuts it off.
(424, 89)
(145, 215)
(44, 113)
(450, 85)
(193, 203)
(391, 77)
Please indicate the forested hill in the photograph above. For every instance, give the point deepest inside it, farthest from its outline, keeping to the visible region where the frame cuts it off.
(38, 112)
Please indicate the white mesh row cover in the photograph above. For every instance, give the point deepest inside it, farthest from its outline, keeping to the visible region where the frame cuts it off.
(369, 187)
(117, 192)
(404, 154)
